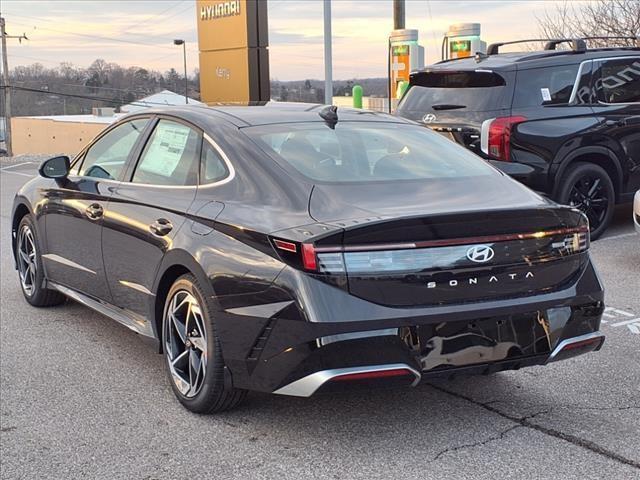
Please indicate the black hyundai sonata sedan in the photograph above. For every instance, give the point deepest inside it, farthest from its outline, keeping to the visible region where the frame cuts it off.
(299, 249)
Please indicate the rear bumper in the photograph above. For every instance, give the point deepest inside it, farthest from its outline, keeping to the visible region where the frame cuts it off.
(286, 353)
(310, 384)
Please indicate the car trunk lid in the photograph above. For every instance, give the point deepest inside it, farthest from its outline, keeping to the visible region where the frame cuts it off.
(441, 251)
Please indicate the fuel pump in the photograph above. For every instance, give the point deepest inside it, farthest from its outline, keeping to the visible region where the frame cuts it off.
(405, 56)
(462, 40)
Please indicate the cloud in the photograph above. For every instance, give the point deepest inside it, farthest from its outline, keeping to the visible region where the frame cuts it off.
(360, 31)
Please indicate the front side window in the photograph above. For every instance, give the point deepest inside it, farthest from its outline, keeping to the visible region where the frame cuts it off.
(108, 156)
(544, 86)
(619, 81)
(366, 152)
(171, 156)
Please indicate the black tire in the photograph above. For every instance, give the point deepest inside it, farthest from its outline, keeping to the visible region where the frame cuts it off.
(211, 393)
(30, 284)
(589, 188)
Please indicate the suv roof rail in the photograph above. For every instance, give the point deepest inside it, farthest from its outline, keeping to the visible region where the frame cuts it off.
(494, 48)
(577, 44)
(634, 38)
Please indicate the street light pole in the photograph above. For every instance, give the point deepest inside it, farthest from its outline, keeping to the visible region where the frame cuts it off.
(184, 56)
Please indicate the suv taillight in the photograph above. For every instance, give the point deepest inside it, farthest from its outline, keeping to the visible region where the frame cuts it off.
(495, 137)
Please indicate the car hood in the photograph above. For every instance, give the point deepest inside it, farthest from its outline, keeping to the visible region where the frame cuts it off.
(338, 203)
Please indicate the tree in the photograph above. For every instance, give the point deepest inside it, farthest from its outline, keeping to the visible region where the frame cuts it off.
(100, 69)
(172, 79)
(606, 18)
(284, 93)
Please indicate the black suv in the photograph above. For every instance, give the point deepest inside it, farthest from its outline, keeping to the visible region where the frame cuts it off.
(564, 122)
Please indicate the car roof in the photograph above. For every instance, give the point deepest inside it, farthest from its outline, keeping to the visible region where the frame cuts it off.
(524, 60)
(269, 113)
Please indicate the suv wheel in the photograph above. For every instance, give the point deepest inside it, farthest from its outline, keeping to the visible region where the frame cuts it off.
(588, 188)
(30, 268)
(192, 350)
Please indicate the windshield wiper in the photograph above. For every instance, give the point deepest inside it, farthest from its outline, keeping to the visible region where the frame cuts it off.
(447, 106)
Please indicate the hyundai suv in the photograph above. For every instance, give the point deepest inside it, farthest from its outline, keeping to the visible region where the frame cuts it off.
(564, 122)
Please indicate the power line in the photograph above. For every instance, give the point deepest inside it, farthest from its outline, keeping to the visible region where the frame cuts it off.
(158, 14)
(134, 42)
(72, 95)
(10, 55)
(141, 103)
(23, 82)
(98, 37)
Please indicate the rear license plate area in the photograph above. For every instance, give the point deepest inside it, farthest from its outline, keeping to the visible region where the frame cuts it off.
(457, 344)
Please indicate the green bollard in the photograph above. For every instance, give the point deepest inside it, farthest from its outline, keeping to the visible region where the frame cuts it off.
(356, 93)
(402, 87)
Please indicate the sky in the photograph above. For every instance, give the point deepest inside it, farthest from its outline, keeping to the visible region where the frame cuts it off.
(140, 33)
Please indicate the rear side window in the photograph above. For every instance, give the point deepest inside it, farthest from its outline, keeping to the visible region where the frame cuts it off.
(619, 81)
(366, 152)
(171, 156)
(213, 168)
(460, 90)
(544, 86)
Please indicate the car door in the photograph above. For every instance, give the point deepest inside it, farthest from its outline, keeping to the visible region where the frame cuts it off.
(147, 210)
(74, 210)
(617, 84)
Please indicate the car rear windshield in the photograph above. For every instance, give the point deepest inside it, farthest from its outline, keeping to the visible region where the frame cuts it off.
(366, 152)
(471, 90)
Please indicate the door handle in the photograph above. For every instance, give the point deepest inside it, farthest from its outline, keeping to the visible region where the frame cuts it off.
(161, 227)
(94, 211)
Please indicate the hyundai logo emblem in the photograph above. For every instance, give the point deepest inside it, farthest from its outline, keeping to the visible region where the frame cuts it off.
(480, 253)
(429, 118)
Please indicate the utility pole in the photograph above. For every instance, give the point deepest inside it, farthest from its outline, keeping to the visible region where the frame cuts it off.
(6, 91)
(5, 85)
(398, 14)
(328, 64)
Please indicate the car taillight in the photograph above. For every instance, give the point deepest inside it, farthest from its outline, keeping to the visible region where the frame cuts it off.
(309, 261)
(416, 257)
(495, 136)
(305, 255)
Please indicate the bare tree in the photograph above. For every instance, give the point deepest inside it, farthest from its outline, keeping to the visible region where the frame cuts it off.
(607, 18)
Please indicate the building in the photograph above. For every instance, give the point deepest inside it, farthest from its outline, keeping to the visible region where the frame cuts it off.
(68, 134)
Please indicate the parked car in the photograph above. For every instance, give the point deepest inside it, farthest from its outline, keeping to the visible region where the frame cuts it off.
(295, 249)
(636, 211)
(564, 122)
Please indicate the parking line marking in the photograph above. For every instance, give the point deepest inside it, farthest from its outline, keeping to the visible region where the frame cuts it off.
(626, 322)
(18, 173)
(16, 165)
(613, 312)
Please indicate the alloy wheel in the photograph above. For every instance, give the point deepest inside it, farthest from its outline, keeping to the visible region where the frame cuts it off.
(589, 195)
(186, 343)
(27, 263)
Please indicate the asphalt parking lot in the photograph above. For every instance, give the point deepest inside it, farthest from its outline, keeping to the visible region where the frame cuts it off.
(83, 397)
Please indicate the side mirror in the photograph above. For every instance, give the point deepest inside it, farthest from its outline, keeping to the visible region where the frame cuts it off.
(56, 167)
